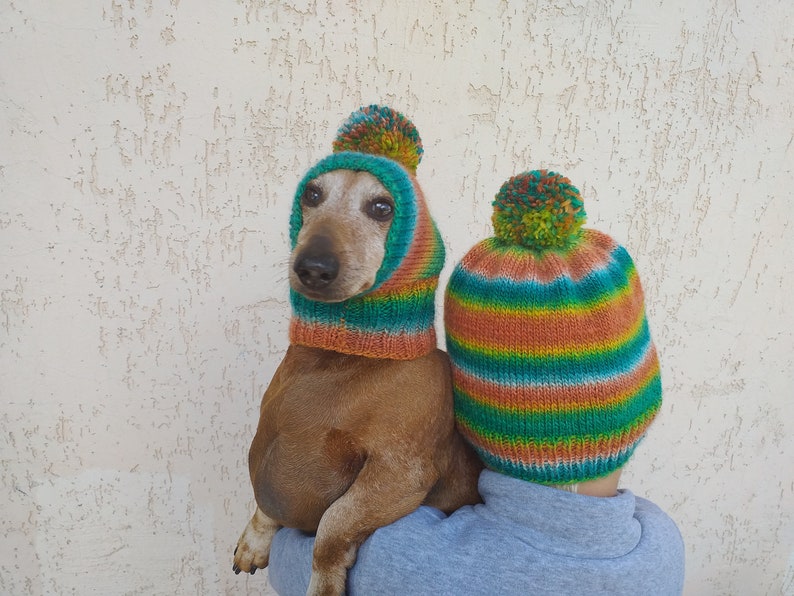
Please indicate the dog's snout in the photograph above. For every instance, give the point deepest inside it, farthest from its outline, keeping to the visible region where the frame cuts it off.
(317, 271)
(317, 265)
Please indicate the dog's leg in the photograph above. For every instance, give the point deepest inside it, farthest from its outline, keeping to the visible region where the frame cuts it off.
(384, 491)
(253, 547)
(458, 483)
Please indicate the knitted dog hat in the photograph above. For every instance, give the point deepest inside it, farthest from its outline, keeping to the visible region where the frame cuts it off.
(395, 317)
(556, 378)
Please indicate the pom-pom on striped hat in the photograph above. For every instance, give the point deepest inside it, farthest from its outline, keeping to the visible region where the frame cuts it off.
(395, 317)
(556, 377)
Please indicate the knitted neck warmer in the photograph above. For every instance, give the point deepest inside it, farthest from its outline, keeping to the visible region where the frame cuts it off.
(395, 318)
(556, 378)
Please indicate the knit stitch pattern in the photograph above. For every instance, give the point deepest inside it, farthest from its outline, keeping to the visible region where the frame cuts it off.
(394, 318)
(556, 378)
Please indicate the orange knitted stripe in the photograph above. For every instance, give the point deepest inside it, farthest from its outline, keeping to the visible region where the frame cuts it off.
(402, 346)
(545, 329)
(519, 264)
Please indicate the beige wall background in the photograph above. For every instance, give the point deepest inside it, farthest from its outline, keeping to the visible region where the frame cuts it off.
(148, 158)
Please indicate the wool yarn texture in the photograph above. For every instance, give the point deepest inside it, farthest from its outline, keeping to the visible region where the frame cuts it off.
(556, 377)
(394, 318)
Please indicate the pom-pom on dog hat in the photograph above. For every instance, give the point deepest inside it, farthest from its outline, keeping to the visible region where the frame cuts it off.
(556, 377)
(395, 317)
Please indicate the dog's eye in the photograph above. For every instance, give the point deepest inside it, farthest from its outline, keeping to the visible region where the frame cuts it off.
(380, 209)
(312, 196)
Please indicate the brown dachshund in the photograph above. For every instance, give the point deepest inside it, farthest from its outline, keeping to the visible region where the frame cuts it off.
(347, 443)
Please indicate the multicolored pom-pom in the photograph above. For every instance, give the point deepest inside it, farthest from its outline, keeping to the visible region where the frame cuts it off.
(539, 210)
(380, 130)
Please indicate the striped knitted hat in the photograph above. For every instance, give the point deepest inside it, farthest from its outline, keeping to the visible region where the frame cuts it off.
(395, 317)
(556, 378)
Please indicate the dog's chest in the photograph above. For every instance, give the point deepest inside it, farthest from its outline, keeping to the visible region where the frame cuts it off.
(303, 471)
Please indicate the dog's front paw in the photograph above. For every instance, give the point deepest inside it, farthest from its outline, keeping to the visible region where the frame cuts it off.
(253, 547)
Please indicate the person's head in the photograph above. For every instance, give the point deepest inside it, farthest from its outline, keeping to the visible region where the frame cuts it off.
(555, 374)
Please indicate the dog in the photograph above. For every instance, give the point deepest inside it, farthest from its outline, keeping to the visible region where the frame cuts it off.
(347, 443)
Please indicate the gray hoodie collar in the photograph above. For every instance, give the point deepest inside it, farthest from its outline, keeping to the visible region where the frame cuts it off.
(561, 522)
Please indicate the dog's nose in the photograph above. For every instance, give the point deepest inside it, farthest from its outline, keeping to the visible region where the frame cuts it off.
(316, 265)
(316, 270)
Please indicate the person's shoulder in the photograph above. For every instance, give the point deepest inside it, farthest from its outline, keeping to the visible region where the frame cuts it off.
(648, 512)
(660, 551)
(659, 529)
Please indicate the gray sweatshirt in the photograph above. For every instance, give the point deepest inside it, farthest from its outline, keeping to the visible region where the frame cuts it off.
(525, 539)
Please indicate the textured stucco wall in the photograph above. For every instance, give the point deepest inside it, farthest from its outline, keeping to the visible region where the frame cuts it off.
(148, 152)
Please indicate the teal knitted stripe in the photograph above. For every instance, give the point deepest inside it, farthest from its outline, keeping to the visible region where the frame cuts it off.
(515, 425)
(369, 315)
(499, 293)
(394, 178)
(512, 370)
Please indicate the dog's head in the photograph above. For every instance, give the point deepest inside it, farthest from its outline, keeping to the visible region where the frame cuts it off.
(346, 216)
(366, 254)
(355, 218)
